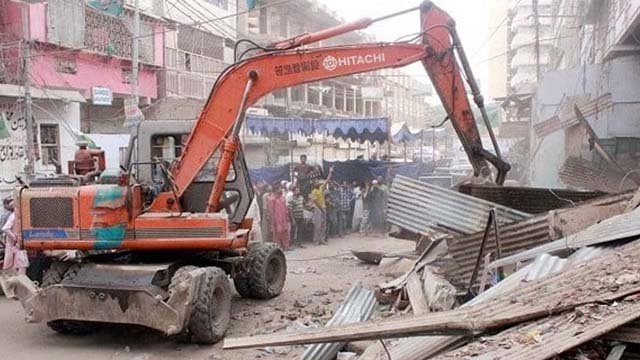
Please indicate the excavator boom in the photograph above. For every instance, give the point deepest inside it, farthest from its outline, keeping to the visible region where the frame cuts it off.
(287, 64)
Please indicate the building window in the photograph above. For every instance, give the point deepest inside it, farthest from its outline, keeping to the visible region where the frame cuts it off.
(66, 65)
(224, 4)
(187, 61)
(50, 144)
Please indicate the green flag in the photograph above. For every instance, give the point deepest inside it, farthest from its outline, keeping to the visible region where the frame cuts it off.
(4, 130)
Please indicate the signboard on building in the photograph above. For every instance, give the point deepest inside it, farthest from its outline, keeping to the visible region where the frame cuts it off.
(12, 146)
(133, 115)
(101, 96)
(372, 93)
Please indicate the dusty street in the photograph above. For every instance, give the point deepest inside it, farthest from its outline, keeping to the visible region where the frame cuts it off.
(318, 279)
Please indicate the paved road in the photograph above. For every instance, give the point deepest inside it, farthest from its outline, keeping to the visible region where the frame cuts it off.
(36, 341)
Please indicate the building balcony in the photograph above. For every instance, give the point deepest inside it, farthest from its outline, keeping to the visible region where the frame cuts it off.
(188, 84)
(75, 25)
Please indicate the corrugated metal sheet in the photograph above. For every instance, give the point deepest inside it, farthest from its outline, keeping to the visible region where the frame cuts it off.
(419, 348)
(517, 237)
(358, 306)
(618, 227)
(423, 347)
(583, 174)
(529, 200)
(544, 265)
(550, 296)
(568, 118)
(419, 207)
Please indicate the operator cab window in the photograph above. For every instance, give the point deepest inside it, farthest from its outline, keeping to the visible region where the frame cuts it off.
(166, 148)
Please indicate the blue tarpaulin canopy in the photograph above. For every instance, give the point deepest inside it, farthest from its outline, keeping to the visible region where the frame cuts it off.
(277, 125)
(354, 129)
(402, 133)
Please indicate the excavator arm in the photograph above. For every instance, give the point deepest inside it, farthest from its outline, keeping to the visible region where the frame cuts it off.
(287, 64)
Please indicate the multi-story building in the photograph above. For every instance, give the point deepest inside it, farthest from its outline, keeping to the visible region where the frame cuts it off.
(594, 66)
(80, 73)
(529, 48)
(404, 99)
(337, 97)
(497, 44)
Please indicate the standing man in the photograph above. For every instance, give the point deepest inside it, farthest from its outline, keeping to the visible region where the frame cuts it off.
(320, 219)
(376, 207)
(296, 208)
(303, 173)
(344, 195)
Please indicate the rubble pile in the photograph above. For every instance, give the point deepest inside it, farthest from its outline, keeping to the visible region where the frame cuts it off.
(555, 283)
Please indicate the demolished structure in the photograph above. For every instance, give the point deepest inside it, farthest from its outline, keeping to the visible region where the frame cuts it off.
(532, 285)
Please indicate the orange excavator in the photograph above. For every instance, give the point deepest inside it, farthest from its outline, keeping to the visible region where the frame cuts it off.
(159, 246)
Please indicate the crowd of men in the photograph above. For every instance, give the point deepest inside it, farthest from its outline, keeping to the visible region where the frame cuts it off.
(312, 208)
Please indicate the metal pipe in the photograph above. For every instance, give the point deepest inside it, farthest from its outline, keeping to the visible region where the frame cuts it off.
(496, 231)
(253, 75)
(485, 235)
(331, 32)
(229, 150)
(475, 89)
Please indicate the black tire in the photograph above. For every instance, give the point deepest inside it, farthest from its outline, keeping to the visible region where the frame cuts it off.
(266, 273)
(55, 275)
(211, 311)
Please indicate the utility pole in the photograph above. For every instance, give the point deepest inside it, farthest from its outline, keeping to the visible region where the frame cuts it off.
(536, 18)
(26, 83)
(135, 51)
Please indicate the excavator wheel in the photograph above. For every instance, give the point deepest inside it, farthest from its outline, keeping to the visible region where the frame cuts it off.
(55, 275)
(212, 308)
(266, 274)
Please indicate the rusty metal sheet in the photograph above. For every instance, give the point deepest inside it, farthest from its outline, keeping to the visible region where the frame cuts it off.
(568, 117)
(421, 207)
(539, 230)
(527, 199)
(579, 173)
(613, 227)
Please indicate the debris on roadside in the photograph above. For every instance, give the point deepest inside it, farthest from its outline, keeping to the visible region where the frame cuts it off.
(527, 286)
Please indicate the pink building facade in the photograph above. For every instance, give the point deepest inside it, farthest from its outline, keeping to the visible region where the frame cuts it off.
(76, 53)
(78, 48)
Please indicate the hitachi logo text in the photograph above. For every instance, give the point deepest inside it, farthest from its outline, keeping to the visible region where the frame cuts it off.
(331, 63)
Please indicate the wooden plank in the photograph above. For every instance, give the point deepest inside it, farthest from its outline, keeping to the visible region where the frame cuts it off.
(528, 342)
(552, 295)
(416, 295)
